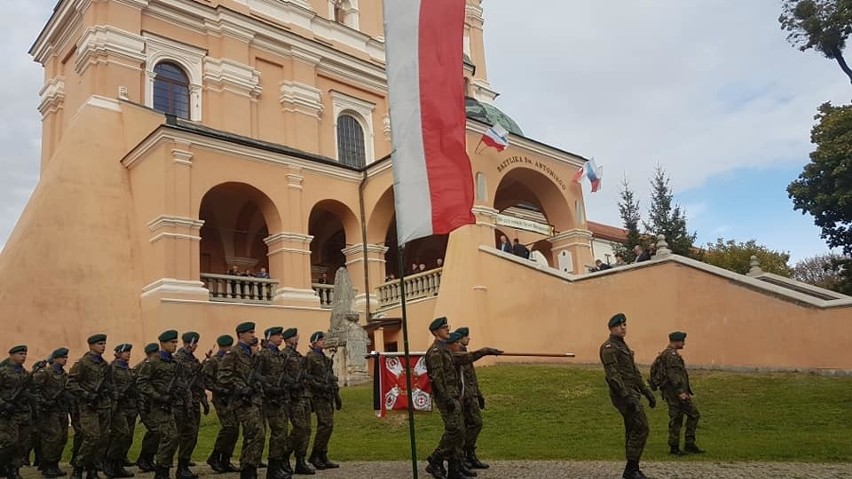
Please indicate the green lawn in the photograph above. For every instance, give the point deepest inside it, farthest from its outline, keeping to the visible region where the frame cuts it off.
(563, 412)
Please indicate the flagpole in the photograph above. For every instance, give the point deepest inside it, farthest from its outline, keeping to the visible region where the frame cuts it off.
(407, 361)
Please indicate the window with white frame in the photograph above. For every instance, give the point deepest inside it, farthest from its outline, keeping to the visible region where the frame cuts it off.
(350, 141)
(353, 129)
(344, 12)
(173, 72)
(171, 90)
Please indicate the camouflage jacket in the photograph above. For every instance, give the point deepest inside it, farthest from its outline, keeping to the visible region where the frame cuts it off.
(192, 380)
(157, 381)
(238, 370)
(677, 379)
(13, 379)
(271, 363)
(296, 367)
(209, 371)
(88, 376)
(622, 375)
(124, 383)
(52, 389)
(470, 382)
(443, 368)
(320, 373)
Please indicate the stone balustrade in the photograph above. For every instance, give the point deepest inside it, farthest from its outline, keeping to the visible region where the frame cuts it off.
(420, 285)
(325, 293)
(239, 289)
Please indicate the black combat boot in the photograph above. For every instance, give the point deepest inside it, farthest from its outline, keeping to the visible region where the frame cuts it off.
(435, 466)
(125, 462)
(474, 461)
(675, 451)
(91, 473)
(77, 473)
(119, 471)
(225, 461)
(454, 469)
(183, 471)
(145, 463)
(276, 470)
(248, 472)
(51, 470)
(215, 462)
(285, 464)
(328, 464)
(302, 467)
(161, 472)
(316, 461)
(466, 471)
(693, 449)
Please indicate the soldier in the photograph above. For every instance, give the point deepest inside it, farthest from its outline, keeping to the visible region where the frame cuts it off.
(189, 417)
(53, 420)
(238, 375)
(229, 430)
(472, 403)
(442, 368)
(678, 394)
(15, 412)
(145, 462)
(325, 398)
(300, 405)
(124, 411)
(271, 369)
(625, 390)
(158, 385)
(89, 381)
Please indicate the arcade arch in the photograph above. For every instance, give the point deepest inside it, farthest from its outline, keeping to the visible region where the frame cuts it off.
(334, 227)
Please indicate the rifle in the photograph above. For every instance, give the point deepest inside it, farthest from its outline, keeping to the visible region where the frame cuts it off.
(252, 378)
(9, 403)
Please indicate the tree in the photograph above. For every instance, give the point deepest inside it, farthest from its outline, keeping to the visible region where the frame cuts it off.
(822, 25)
(736, 256)
(666, 218)
(628, 207)
(819, 271)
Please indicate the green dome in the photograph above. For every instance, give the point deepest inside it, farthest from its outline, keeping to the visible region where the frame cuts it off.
(491, 115)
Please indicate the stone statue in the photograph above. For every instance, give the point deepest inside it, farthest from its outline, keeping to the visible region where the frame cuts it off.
(350, 363)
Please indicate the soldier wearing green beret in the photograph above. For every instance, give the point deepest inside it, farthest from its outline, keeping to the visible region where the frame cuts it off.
(442, 362)
(677, 393)
(229, 430)
(124, 413)
(325, 398)
(270, 366)
(238, 375)
(89, 381)
(150, 441)
(157, 383)
(16, 397)
(626, 387)
(189, 417)
(53, 417)
(300, 405)
(472, 402)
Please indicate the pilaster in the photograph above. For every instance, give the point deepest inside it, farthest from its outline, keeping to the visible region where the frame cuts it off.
(290, 261)
(572, 250)
(374, 264)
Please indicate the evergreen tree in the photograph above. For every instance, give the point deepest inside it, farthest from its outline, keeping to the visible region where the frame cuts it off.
(628, 207)
(667, 218)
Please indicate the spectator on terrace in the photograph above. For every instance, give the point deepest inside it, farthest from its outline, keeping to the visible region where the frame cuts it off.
(263, 274)
(504, 244)
(520, 250)
(641, 254)
(439, 262)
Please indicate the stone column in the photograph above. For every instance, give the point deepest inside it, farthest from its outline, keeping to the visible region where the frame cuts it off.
(290, 263)
(486, 224)
(375, 267)
(572, 250)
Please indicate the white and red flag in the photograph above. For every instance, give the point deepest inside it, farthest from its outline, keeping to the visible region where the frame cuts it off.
(496, 137)
(433, 183)
(392, 383)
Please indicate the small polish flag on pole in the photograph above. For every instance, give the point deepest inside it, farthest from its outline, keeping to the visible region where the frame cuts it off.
(593, 172)
(496, 137)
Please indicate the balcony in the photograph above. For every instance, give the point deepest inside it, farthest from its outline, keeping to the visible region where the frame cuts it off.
(417, 286)
(239, 289)
(325, 293)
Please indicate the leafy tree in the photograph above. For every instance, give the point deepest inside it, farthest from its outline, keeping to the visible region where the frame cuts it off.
(628, 207)
(736, 256)
(822, 25)
(819, 271)
(666, 218)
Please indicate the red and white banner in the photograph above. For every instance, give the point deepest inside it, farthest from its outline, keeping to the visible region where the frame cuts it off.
(433, 183)
(392, 383)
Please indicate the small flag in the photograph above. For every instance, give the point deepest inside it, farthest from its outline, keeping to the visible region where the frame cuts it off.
(496, 137)
(579, 174)
(593, 172)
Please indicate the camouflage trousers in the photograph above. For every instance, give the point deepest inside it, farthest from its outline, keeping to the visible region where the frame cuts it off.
(472, 422)
(229, 428)
(452, 441)
(276, 418)
(300, 434)
(53, 430)
(635, 426)
(249, 417)
(324, 409)
(188, 419)
(162, 421)
(15, 432)
(78, 434)
(677, 410)
(120, 434)
(150, 441)
(95, 432)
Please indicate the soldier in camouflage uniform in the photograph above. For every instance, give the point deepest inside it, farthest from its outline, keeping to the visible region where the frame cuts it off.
(123, 413)
(53, 420)
(678, 395)
(229, 430)
(89, 381)
(189, 417)
(157, 383)
(325, 398)
(626, 388)
(271, 369)
(472, 403)
(442, 365)
(150, 441)
(300, 405)
(238, 375)
(16, 399)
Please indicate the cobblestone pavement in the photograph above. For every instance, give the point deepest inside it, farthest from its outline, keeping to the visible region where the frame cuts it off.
(571, 470)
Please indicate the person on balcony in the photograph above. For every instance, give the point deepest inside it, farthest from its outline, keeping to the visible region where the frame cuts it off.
(262, 274)
(504, 245)
(520, 250)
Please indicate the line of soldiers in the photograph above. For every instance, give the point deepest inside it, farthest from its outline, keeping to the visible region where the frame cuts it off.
(254, 384)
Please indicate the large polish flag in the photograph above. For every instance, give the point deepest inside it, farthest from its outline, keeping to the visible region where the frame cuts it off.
(433, 184)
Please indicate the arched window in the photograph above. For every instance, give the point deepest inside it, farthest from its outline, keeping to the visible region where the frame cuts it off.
(171, 90)
(350, 142)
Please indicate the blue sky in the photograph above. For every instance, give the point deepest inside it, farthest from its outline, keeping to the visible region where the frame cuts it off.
(708, 89)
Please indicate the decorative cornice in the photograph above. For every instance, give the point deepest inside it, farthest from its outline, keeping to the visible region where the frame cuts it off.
(52, 95)
(288, 236)
(104, 40)
(224, 74)
(166, 221)
(172, 285)
(301, 98)
(358, 249)
(572, 235)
